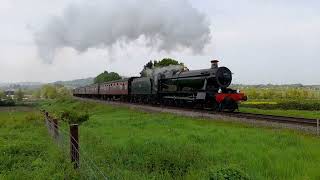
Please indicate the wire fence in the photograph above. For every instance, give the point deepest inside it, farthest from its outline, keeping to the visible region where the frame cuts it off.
(68, 142)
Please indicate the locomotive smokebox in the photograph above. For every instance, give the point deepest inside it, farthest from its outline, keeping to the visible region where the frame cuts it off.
(214, 64)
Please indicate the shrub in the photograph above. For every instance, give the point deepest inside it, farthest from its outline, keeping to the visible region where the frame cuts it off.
(74, 117)
(7, 102)
(230, 173)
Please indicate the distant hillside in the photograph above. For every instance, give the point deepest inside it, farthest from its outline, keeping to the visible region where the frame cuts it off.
(22, 85)
(75, 83)
(36, 85)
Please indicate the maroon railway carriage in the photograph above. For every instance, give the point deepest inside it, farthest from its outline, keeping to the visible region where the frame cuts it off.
(119, 89)
(92, 90)
(79, 92)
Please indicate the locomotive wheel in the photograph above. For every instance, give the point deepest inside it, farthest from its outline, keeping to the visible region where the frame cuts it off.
(231, 110)
(212, 105)
(220, 107)
(227, 105)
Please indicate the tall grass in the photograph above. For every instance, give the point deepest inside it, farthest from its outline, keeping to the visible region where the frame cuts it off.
(26, 151)
(128, 144)
(273, 97)
(281, 92)
(308, 105)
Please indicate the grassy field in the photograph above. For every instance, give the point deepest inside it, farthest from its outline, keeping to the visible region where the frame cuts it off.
(128, 144)
(303, 108)
(26, 150)
(281, 112)
(281, 97)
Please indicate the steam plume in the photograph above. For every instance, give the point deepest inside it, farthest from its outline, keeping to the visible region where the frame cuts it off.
(167, 70)
(165, 24)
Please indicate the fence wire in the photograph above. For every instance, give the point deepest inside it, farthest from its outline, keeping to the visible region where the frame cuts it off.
(87, 168)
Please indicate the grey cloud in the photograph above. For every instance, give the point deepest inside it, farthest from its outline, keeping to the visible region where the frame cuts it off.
(167, 25)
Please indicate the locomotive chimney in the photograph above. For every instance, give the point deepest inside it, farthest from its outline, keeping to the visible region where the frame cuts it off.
(214, 64)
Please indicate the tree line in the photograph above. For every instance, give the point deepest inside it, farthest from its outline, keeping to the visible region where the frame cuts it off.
(53, 91)
(112, 76)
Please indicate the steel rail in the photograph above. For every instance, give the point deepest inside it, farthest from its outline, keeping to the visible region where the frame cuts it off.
(274, 118)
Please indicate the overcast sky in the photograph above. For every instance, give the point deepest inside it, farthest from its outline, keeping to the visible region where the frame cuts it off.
(260, 41)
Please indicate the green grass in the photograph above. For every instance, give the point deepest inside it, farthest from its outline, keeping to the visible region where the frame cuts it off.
(283, 104)
(281, 112)
(128, 144)
(26, 150)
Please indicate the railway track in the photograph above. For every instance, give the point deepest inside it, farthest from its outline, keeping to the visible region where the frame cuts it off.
(252, 116)
(264, 117)
(273, 118)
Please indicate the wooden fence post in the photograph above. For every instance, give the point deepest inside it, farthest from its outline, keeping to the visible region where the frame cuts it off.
(49, 119)
(47, 115)
(317, 127)
(56, 128)
(74, 145)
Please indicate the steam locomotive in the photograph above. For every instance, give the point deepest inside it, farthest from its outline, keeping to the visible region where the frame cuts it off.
(205, 88)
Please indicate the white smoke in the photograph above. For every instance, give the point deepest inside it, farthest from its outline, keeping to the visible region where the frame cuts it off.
(157, 72)
(165, 24)
(167, 71)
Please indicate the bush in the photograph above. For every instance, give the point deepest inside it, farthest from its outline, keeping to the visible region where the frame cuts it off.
(7, 102)
(74, 117)
(65, 99)
(230, 173)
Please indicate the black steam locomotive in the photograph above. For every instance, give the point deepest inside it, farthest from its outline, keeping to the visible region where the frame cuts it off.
(206, 88)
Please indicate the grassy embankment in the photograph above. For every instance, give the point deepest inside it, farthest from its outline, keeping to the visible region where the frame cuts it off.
(293, 108)
(128, 144)
(26, 150)
(284, 100)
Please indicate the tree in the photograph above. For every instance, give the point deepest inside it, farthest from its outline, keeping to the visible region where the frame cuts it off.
(63, 92)
(106, 76)
(2, 95)
(149, 65)
(20, 95)
(158, 64)
(48, 91)
(36, 94)
(167, 62)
